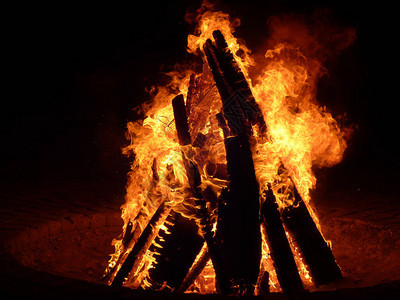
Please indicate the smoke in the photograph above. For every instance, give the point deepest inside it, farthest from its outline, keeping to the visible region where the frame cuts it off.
(319, 35)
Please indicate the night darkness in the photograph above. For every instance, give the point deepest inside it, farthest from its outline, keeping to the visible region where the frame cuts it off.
(75, 73)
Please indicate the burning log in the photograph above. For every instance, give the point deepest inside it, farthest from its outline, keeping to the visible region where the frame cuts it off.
(316, 251)
(262, 287)
(132, 262)
(200, 96)
(232, 85)
(190, 94)
(180, 247)
(181, 123)
(195, 270)
(231, 107)
(132, 233)
(238, 215)
(222, 124)
(279, 247)
(194, 178)
(200, 140)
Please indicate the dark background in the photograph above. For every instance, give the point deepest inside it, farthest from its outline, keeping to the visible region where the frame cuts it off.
(74, 73)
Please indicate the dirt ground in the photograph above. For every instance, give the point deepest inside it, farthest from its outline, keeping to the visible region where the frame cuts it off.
(367, 254)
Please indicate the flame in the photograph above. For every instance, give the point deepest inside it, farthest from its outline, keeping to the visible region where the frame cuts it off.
(301, 135)
(211, 20)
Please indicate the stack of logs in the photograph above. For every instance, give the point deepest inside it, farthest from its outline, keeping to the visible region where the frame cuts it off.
(235, 249)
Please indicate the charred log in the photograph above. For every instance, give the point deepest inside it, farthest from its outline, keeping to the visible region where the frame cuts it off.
(205, 227)
(231, 82)
(232, 111)
(279, 247)
(316, 251)
(194, 179)
(179, 249)
(181, 123)
(238, 215)
(190, 94)
(195, 270)
(133, 259)
(132, 231)
(238, 226)
(262, 287)
(200, 140)
(222, 124)
(128, 234)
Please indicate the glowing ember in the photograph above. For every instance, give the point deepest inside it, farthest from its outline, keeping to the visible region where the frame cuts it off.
(300, 135)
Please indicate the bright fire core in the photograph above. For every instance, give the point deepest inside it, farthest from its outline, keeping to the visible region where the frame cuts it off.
(300, 135)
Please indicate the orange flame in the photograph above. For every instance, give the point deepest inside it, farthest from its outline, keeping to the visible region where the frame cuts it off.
(301, 135)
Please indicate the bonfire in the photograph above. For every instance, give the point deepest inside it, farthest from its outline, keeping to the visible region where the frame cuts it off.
(227, 159)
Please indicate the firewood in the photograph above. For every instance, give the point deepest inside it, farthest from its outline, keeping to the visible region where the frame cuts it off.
(179, 248)
(316, 251)
(222, 124)
(279, 247)
(262, 287)
(200, 140)
(200, 98)
(238, 226)
(128, 234)
(134, 258)
(238, 217)
(233, 113)
(133, 229)
(194, 178)
(195, 270)
(231, 81)
(190, 94)
(182, 127)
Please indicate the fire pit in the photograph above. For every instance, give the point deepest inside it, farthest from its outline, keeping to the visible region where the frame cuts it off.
(367, 252)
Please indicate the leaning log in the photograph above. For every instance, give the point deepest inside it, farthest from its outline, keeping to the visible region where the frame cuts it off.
(232, 110)
(279, 247)
(134, 258)
(262, 288)
(133, 230)
(231, 80)
(316, 251)
(238, 227)
(181, 123)
(179, 248)
(197, 267)
(190, 94)
(194, 178)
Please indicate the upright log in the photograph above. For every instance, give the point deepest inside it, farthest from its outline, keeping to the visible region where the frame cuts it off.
(316, 251)
(278, 244)
(238, 226)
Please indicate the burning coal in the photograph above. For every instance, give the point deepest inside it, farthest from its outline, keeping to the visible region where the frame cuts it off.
(234, 155)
